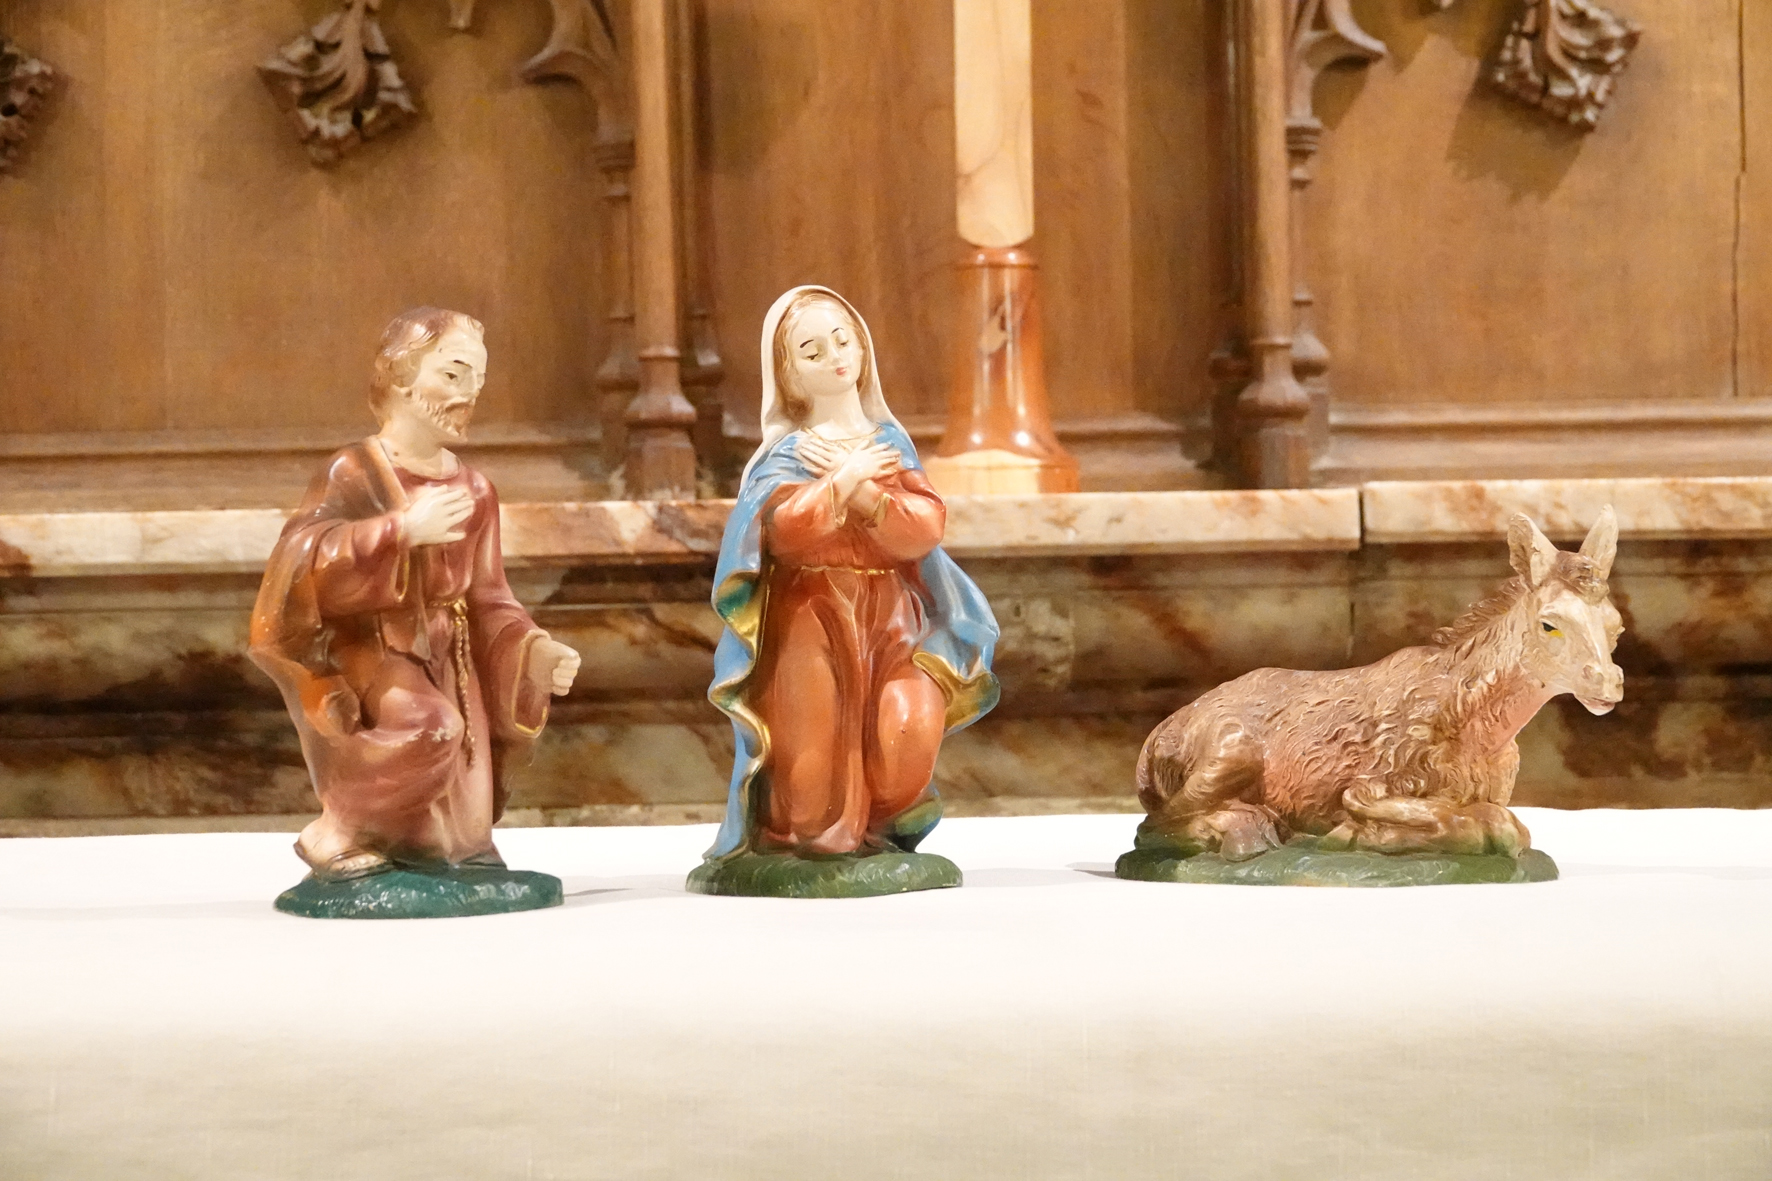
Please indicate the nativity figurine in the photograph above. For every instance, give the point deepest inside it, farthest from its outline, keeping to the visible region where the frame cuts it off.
(853, 644)
(414, 677)
(1398, 773)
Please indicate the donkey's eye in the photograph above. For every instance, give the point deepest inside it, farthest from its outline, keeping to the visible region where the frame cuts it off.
(1550, 629)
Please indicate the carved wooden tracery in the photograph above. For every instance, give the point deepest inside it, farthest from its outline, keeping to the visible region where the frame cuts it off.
(1324, 34)
(25, 83)
(583, 48)
(1564, 56)
(340, 86)
(338, 83)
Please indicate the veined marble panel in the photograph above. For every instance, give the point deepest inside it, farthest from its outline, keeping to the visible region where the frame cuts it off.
(244, 772)
(1695, 726)
(240, 540)
(50, 544)
(539, 534)
(226, 769)
(1335, 519)
(1654, 507)
(127, 698)
(1690, 608)
(565, 533)
(1154, 522)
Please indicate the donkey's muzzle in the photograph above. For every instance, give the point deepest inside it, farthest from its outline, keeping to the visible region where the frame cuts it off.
(1607, 691)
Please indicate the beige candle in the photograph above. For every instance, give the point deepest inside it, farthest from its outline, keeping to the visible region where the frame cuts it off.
(993, 121)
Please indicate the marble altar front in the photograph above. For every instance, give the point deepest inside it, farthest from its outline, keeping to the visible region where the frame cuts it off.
(127, 702)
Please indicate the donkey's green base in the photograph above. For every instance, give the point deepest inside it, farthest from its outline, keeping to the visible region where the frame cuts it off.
(783, 875)
(410, 894)
(1301, 862)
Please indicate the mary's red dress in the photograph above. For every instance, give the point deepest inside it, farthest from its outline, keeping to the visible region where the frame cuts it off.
(854, 723)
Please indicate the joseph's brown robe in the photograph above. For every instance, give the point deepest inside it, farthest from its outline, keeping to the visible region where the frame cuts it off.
(368, 637)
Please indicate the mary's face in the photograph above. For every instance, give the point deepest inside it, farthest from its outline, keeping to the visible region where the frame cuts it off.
(826, 353)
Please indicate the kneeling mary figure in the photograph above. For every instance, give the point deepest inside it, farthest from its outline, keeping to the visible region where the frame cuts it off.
(853, 644)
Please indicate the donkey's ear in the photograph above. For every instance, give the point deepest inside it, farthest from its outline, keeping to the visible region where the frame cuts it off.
(1601, 545)
(1530, 552)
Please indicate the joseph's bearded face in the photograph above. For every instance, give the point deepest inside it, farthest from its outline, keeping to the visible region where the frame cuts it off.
(448, 383)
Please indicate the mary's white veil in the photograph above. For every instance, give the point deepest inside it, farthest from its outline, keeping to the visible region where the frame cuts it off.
(776, 423)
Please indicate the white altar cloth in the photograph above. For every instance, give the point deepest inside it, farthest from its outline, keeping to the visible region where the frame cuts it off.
(159, 1020)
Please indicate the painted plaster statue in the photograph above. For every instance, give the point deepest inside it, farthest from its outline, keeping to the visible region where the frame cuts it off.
(853, 644)
(1398, 773)
(412, 673)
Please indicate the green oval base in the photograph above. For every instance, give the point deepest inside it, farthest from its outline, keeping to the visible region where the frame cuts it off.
(1301, 863)
(783, 875)
(410, 894)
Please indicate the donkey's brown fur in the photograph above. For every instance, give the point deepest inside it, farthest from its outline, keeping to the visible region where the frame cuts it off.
(1413, 753)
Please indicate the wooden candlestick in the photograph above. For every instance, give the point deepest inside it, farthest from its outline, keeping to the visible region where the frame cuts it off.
(999, 432)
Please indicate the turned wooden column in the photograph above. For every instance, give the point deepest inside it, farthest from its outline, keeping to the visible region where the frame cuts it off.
(1310, 356)
(618, 377)
(1324, 34)
(702, 370)
(999, 436)
(581, 48)
(660, 454)
(1274, 447)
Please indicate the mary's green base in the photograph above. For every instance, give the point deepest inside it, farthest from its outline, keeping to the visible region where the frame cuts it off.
(1301, 862)
(783, 875)
(409, 894)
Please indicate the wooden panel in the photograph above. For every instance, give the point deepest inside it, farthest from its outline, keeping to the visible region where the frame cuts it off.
(1754, 273)
(830, 157)
(172, 261)
(1082, 205)
(1176, 139)
(80, 299)
(1465, 249)
(1550, 439)
(830, 160)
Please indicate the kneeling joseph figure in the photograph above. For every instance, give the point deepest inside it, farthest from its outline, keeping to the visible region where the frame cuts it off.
(411, 671)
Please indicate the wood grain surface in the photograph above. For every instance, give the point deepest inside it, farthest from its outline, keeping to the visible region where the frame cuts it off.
(171, 262)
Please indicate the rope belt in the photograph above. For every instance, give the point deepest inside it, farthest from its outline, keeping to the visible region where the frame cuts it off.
(850, 569)
(458, 621)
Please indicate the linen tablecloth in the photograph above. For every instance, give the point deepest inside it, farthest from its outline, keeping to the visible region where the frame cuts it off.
(159, 1020)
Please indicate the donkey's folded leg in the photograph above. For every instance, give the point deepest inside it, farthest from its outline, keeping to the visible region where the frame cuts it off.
(1503, 829)
(1212, 809)
(1405, 824)
(1238, 831)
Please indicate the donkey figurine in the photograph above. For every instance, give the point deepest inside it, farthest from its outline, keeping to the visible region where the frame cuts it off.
(1415, 753)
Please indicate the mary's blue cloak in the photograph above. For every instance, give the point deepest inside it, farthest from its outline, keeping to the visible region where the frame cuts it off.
(956, 651)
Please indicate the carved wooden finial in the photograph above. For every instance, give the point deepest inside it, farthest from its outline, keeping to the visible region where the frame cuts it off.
(25, 83)
(338, 82)
(1564, 56)
(582, 47)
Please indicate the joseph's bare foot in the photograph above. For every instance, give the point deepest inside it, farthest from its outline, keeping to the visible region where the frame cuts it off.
(344, 864)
